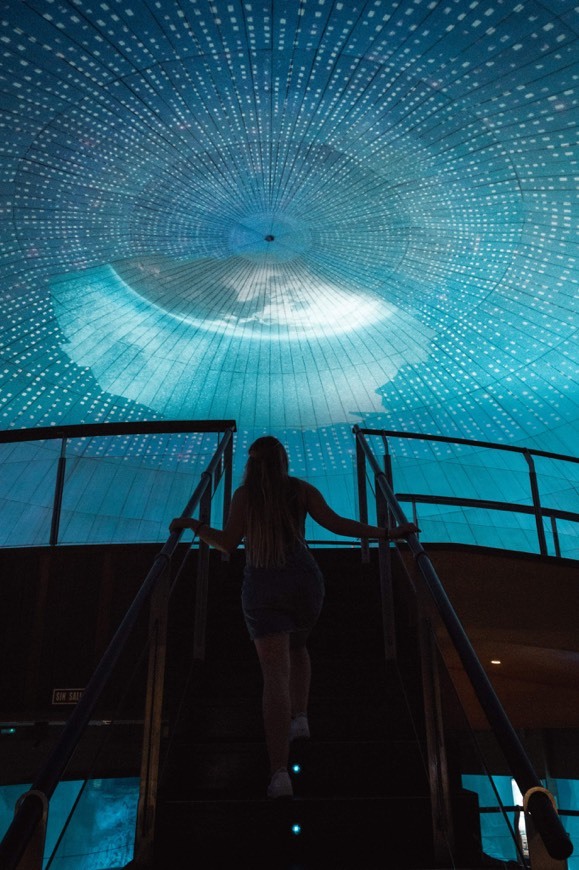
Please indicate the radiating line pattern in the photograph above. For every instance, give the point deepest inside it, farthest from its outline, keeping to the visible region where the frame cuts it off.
(299, 214)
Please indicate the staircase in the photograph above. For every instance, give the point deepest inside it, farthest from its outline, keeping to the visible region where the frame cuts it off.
(361, 790)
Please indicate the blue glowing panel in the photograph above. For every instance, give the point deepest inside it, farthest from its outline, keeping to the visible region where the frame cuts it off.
(300, 215)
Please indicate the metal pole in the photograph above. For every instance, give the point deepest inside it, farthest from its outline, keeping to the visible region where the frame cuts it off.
(385, 572)
(153, 719)
(536, 502)
(362, 497)
(556, 541)
(58, 490)
(202, 584)
(227, 485)
(442, 827)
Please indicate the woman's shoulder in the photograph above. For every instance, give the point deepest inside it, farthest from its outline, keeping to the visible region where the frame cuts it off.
(302, 484)
(302, 488)
(297, 483)
(239, 495)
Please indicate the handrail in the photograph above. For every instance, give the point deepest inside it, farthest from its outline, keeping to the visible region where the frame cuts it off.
(536, 509)
(93, 430)
(100, 430)
(32, 804)
(547, 821)
(485, 504)
(468, 442)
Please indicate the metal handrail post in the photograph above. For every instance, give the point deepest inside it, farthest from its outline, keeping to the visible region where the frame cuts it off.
(442, 825)
(555, 533)
(58, 491)
(153, 719)
(227, 485)
(362, 498)
(202, 583)
(385, 574)
(536, 503)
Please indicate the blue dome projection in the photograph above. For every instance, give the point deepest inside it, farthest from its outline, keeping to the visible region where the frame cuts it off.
(301, 215)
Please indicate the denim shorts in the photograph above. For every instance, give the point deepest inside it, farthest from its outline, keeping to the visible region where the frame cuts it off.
(283, 599)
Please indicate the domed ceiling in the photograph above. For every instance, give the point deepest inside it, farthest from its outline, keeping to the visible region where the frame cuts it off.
(300, 215)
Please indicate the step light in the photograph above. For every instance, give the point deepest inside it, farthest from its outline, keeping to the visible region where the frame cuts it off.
(296, 768)
(296, 829)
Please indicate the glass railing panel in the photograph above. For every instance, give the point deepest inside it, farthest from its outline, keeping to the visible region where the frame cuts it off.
(116, 489)
(121, 489)
(27, 492)
(439, 469)
(558, 483)
(126, 489)
(477, 526)
(448, 469)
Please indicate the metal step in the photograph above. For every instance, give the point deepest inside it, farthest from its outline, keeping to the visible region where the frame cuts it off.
(313, 834)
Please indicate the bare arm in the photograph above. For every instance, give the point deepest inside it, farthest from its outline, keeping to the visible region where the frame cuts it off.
(226, 539)
(322, 513)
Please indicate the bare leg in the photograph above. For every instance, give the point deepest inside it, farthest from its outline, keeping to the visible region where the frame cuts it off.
(274, 658)
(300, 677)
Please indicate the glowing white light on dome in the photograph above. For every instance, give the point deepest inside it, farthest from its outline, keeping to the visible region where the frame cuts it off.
(271, 302)
(300, 312)
(166, 361)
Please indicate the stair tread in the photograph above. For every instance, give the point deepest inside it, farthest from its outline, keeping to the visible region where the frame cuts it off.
(362, 795)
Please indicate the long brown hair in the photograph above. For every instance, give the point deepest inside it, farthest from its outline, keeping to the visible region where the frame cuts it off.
(273, 516)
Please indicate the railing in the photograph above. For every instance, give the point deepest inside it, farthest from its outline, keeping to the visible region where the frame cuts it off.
(64, 487)
(23, 843)
(538, 803)
(535, 509)
(83, 433)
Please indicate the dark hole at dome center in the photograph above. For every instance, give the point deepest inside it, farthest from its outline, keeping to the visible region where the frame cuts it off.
(269, 238)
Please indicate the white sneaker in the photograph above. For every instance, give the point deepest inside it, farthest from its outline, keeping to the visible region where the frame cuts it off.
(299, 727)
(280, 785)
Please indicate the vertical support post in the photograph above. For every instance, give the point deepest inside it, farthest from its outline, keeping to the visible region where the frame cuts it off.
(536, 502)
(58, 491)
(555, 532)
(153, 718)
(442, 827)
(227, 485)
(384, 518)
(362, 497)
(202, 583)
(385, 570)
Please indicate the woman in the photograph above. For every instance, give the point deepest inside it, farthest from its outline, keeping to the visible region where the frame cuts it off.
(283, 588)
